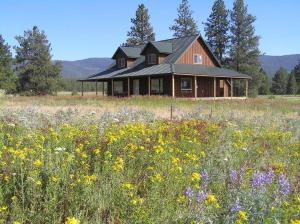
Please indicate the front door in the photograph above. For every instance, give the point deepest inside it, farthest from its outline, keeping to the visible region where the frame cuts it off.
(136, 87)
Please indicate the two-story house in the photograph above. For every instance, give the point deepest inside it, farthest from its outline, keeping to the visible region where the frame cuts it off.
(179, 67)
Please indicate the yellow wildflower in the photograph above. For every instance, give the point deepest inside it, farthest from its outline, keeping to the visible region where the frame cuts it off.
(157, 178)
(295, 221)
(37, 163)
(128, 186)
(16, 222)
(72, 220)
(242, 216)
(118, 165)
(137, 201)
(3, 208)
(195, 176)
(211, 199)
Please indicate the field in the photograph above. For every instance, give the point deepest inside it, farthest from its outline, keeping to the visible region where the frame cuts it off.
(72, 159)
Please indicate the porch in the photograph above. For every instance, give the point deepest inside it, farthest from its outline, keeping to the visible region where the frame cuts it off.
(176, 86)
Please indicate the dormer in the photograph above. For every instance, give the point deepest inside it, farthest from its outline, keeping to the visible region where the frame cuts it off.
(125, 56)
(156, 52)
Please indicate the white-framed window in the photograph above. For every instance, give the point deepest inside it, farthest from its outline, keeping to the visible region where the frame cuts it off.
(157, 86)
(186, 84)
(197, 59)
(151, 59)
(121, 62)
(118, 86)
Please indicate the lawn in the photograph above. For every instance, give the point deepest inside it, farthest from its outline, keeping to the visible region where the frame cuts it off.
(72, 159)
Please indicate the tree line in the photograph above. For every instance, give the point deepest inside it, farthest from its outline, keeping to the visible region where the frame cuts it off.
(229, 33)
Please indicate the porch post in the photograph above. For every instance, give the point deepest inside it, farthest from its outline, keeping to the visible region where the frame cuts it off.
(96, 88)
(195, 86)
(102, 88)
(215, 88)
(112, 87)
(173, 86)
(128, 86)
(231, 91)
(81, 88)
(246, 92)
(149, 85)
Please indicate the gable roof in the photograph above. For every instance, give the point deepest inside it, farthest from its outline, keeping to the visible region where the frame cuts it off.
(174, 48)
(130, 52)
(161, 47)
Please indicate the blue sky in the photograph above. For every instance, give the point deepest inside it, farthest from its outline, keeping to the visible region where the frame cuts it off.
(79, 29)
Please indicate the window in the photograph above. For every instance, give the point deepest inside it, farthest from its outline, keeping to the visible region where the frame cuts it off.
(151, 59)
(118, 87)
(186, 84)
(157, 86)
(121, 62)
(197, 59)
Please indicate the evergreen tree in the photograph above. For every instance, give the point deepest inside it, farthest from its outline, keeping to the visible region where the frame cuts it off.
(36, 73)
(264, 88)
(184, 25)
(279, 82)
(141, 31)
(216, 30)
(244, 51)
(291, 87)
(7, 78)
(296, 73)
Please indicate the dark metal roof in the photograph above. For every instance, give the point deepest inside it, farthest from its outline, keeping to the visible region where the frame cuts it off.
(130, 52)
(208, 71)
(161, 47)
(175, 48)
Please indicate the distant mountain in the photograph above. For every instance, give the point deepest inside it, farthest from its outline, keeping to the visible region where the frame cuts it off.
(272, 63)
(84, 68)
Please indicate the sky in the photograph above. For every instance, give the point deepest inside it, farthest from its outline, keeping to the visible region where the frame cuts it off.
(79, 29)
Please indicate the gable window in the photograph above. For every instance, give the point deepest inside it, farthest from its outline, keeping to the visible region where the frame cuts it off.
(151, 59)
(186, 84)
(197, 59)
(121, 62)
(157, 86)
(118, 87)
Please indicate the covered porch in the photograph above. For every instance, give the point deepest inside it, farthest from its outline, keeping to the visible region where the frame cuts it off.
(173, 85)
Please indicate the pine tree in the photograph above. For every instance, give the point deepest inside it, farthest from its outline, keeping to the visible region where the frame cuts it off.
(296, 73)
(7, 78)
(264, 88)
(141, 31)
(184, 24)
(244, 51)
(291, 87)
(36, 73)
(216, 30)
(279, 82)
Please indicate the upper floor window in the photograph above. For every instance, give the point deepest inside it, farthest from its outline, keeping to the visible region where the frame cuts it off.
(186, 84)
(151, 59)
(121, 62)
(197, 59)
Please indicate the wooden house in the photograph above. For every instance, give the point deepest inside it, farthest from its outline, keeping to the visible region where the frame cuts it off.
(180, 67)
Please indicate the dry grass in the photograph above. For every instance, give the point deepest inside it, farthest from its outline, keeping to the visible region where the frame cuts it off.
(160, 106)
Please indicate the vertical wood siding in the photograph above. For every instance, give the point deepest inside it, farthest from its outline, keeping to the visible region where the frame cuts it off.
(196, 48)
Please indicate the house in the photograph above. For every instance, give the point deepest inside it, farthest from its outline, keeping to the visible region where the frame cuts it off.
(180, 67)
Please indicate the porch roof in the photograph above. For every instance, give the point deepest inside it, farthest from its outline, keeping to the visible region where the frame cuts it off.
(168, 69)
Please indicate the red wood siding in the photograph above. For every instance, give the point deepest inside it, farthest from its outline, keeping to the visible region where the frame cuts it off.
(196, 48)
(179, 92)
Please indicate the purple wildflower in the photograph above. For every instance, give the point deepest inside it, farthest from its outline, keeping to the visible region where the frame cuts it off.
(236, 207)
(205, 177)
(189, 193)
(258, 180)
(234, 176)
(284, 187)
(269, 177)
(200, 197)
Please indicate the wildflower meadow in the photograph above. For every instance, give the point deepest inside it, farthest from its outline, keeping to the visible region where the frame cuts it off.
(134, 167)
